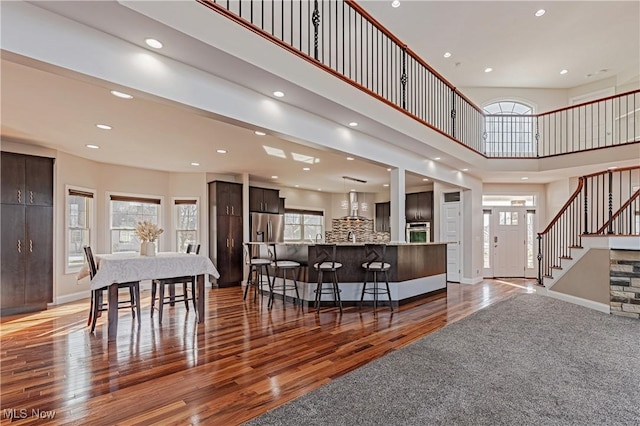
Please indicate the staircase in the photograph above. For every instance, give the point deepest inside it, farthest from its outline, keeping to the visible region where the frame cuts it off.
(604, 203)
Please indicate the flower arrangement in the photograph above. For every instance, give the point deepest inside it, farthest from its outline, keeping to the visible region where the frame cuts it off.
(147, 231)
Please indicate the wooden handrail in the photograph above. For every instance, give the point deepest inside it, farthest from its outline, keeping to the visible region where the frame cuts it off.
(575, 194)
(619, 95)
(619, 212)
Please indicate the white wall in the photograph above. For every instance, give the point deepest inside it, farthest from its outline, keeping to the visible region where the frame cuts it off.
(542, 100)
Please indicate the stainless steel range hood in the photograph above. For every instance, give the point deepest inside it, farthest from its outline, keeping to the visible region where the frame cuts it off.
(353, 205)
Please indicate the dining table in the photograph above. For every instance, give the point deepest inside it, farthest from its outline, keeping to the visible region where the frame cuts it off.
(126, 267)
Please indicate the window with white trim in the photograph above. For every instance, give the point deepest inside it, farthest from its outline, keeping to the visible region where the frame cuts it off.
(509, 129)
(79, 223)
(125, 213)
(303, 225)
(186, 225)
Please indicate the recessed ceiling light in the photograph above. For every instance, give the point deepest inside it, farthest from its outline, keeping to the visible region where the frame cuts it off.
(104, 126)
(447, 54)
(612, 168)
(488, 69)
(352, 190)
(388, 170)
(319, 189)
(195, 164)
(540, 12)
(278, 94)
(395, 3)
(92, 146)
(297, 186)
(221, 151)
(563, 72)
(465, 170)
(306, 169)
(425, 179)
(121, 95)
(152, 42)
(350, 158)
(259, 133)
(353, 124)
(274, 177)
(524, 178)
(437, 158)
(385, 185)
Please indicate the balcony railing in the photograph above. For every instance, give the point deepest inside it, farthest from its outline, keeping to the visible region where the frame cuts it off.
(343, 39)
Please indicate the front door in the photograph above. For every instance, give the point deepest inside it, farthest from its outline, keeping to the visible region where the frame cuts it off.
(509, 241)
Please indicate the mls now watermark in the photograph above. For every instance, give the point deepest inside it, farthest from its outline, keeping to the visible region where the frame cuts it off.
(23, 413)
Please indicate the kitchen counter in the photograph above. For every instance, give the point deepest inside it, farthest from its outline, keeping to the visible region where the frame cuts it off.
(417, 269)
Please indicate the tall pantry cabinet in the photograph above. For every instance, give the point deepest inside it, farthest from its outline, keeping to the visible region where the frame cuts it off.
(26, 217)
(225, 231)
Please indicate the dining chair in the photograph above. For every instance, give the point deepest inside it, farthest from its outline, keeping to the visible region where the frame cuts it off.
(158, 286)
(98, 299)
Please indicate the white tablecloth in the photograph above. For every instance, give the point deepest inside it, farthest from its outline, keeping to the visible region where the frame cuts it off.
(121, 268)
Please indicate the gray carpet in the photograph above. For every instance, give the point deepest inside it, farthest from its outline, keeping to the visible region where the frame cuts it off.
(529, 360)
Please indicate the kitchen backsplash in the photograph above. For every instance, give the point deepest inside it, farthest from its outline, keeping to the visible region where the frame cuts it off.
(362, 228)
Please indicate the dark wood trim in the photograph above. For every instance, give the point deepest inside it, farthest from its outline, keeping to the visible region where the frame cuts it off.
(619, 95)
(574, 152)
(78, 193)
(135, 199)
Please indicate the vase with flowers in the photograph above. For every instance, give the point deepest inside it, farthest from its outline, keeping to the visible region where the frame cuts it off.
(148, 233)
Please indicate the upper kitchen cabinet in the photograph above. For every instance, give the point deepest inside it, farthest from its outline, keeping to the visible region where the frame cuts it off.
(419, 206)
(264, 200)
(26, 180)
(383, 212)
(228, 198)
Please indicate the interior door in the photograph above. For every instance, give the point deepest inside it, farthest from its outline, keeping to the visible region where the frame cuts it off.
(451, 234)
(509, 240)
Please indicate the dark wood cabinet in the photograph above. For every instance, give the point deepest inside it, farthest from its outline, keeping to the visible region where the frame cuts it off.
(225, 231)
(264, 200)
(27, 233)
(383, 219)
(419, 206)
(281, 208)
(228, 200)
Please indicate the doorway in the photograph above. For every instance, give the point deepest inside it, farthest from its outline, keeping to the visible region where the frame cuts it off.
(451, 221)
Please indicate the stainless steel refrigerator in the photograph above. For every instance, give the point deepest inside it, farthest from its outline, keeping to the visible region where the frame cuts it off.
(266, 227)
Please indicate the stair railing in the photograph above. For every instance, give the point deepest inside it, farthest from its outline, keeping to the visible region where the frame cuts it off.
(343, 39)
(599, 199)
(626, 221)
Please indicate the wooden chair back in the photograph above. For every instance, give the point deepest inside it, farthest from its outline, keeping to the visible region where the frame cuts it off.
(326, 253)
(375, 253)
(90, 260)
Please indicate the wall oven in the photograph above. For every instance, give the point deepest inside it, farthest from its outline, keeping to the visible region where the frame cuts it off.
(419, 232)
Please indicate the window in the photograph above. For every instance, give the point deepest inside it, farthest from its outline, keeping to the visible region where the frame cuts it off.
(508, 200)
(303, 225)
(486, 242)
(531, 239)
(126, 212)
(186, 215)
(508, 218)
(79, 223)
(509, 130)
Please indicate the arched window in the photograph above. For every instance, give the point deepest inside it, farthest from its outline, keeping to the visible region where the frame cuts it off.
(509, 130)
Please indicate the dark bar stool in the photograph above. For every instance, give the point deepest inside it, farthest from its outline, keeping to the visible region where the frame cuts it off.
(257, 266)
(374, 255)
(284, 266)
(326, 262)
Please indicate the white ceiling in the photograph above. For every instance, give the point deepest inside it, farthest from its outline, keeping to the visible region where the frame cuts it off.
(524, 52)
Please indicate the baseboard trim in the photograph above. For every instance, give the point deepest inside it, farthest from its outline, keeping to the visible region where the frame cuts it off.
(59, 300)
(471, 281)
(601, 307)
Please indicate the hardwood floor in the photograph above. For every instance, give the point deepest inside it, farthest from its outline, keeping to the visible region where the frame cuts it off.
(243, 361)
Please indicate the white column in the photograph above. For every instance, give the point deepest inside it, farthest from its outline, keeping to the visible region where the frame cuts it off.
(397, 193)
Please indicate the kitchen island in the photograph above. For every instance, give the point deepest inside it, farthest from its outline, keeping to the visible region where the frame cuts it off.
(417, 269)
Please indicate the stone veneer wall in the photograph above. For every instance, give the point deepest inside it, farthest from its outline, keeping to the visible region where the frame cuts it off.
(625, 283)
(362, 228)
